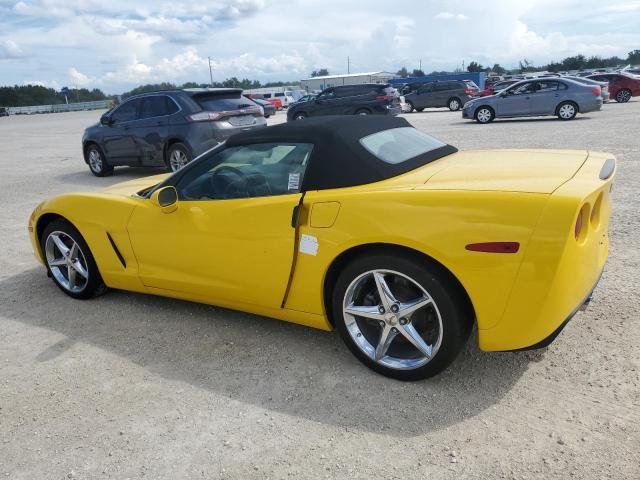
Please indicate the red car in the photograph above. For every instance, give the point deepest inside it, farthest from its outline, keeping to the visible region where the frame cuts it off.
(276, 102)
(622, 86)
(492, 88)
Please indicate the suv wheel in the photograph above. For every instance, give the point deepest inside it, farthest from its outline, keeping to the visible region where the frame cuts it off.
(411, 107)
(97, 163)
(300, 116)
(178, 156)
(454, 104)
(363, 111)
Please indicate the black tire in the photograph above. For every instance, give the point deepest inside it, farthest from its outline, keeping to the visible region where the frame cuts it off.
(300, 116)
(94, 285)
(363, 111)
(411, 106)
(419, 109)
(97, 162)
(567, 111)
(623, 96)
(484, 114)
(453, 307)
(178, 155)
(454, 104)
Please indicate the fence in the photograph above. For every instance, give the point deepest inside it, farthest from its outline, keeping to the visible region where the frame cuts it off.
(71, 107)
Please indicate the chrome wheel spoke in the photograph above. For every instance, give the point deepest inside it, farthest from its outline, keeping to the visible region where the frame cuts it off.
(386, 297)
(71, 277)
(409, 332)
(58, 262)
(77, 266)
(387, 334)
(409, 308)
(369, 312)
(64, 250)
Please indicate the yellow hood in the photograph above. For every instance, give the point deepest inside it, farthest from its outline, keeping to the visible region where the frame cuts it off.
(133, 186)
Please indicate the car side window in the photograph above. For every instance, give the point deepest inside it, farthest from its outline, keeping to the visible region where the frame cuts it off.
(523, 89)
(153, 106)
(542, 87)
(247, 171)
(327, 94)
(126, 112)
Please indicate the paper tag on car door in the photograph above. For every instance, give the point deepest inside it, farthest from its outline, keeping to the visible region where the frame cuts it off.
(309, 245)
(294, 181)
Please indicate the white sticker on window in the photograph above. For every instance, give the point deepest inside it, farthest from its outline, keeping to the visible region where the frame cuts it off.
(294, 181)
(309, 245)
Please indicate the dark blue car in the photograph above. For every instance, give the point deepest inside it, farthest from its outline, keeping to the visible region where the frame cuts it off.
(167, 128)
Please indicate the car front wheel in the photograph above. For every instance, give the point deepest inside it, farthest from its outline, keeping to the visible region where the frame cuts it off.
(69, 261)
(400, 318)
(484, 115)
(97, 163)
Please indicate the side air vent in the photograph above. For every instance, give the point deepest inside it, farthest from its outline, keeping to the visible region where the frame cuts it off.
(115, 249)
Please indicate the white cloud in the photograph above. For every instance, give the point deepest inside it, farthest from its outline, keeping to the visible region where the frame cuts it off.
(451, 16)
(79, 79)
(10, 49)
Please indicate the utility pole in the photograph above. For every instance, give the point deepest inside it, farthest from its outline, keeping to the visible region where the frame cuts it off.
(420, 64)
(348, 65)
(210, 72)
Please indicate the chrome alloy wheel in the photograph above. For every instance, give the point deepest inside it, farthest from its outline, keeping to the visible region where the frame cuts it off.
(95, 160)
(484, 115)
(567, 111)
(178, 160)
(454, 105)
(66, 261)
(392, 319)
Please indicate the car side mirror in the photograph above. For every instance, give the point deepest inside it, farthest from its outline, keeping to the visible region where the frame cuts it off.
(106, 120)
(165, 198)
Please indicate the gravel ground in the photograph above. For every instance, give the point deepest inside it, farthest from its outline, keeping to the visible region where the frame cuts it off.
(136, 386)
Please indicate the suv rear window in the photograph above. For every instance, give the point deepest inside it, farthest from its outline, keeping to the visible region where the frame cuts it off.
(400, 144)
(222, 102)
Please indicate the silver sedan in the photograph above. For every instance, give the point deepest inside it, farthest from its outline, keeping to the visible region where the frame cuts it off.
(554, 96)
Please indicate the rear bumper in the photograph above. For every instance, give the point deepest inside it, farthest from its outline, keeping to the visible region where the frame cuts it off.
(549, 340)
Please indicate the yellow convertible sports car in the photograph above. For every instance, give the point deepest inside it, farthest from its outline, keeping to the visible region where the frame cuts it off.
(363, 224)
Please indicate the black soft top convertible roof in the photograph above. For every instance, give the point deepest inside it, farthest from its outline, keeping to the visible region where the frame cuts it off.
(338, 158)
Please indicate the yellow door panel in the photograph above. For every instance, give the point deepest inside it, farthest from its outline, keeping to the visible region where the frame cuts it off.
(239, 250)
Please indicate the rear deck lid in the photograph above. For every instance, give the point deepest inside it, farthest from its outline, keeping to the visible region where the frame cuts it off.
(534, 171)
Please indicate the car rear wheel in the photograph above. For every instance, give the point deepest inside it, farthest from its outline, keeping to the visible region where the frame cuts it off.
(69, 261)
(363, 111)
(411, 107)
(178, 156)
(300, 116)
(454, 104)
(623, 96)
(567, 111)
(420, 109)
(97, 163)
(485, 115)
(400, 318)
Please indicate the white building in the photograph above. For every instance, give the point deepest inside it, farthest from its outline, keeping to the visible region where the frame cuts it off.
(320, 83)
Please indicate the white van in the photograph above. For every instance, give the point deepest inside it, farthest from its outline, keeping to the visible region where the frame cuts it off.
(285, 97)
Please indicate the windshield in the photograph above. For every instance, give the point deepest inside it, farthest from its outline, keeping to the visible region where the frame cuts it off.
(400, 144)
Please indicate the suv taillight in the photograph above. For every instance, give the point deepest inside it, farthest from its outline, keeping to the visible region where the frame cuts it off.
(468, 91)
(384, 97)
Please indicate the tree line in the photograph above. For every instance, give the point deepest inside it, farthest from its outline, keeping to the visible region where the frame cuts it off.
(26, 95)
(576, 62)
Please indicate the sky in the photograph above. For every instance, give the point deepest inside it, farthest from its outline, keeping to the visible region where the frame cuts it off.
(115, 45)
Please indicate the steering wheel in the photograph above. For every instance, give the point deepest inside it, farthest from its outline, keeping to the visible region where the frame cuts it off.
(220, 181)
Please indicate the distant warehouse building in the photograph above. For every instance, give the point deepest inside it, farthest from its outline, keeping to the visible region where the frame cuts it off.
(320, 83)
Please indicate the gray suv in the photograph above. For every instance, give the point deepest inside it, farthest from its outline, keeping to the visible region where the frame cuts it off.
(167, 128)
(448, 93)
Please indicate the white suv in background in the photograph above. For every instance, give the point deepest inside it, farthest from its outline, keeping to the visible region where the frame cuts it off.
(285, 97)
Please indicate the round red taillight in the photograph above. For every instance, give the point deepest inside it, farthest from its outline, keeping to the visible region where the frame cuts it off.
(578, 229)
